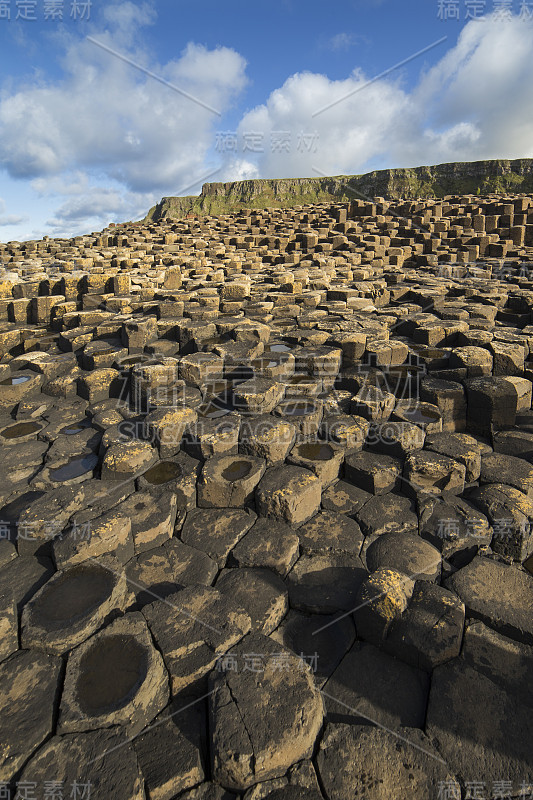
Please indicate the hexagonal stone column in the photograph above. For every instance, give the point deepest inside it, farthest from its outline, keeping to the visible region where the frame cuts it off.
(105, 759)
(409, 766)
(115, 678)
(267, 437)
(229, 481)
(192, 629)
(30, 685)
(322, 458)
(72, 605)
(127, 460)
(291, 494)
(264, 718)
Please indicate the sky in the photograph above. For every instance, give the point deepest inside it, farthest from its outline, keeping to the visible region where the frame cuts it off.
(105, 107)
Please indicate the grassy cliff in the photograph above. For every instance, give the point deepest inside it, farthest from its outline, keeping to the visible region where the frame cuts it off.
(473, 177)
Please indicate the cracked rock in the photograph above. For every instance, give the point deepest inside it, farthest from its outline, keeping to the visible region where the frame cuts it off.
(262, 720)
(116, 677)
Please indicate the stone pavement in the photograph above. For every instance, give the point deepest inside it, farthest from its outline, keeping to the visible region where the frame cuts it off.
(267, 506)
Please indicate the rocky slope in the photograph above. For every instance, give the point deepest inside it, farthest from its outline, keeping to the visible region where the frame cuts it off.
(476, 177)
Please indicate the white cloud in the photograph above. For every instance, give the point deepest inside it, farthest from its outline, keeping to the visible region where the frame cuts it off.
(107, 115)
(341, 41)
(475, 103)
(107, 141)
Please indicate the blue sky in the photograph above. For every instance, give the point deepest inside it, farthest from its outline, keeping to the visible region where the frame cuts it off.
(116, 104)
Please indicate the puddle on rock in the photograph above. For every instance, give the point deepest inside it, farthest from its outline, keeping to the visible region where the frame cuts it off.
(278, 348)
(163, 472)
(75, 468)
(15, 380)
(21, 429)
(77, 593)
(110, 672)
(213, 411)
(76, 427)
(416, 414)
(298, 409)
(236, 471)
(315, 451)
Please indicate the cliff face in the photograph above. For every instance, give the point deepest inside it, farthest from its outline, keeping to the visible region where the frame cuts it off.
(473, 177)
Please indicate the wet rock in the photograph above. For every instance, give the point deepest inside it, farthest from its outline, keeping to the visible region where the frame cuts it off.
(15, 387)
(30, 686)
(177, 475)
(72, 605)
(192, 628)
(264, 719)
(116, 677)
(324, 459)
(425, 471)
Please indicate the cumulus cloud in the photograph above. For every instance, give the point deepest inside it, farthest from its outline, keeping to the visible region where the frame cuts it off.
(108, 140)
(108, 115)
(475, 103)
